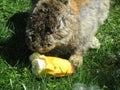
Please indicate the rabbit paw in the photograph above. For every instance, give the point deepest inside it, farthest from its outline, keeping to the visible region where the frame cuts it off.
(94, 43)
(76, 60)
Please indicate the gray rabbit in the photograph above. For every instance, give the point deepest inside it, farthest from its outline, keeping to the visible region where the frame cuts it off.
(65, 28)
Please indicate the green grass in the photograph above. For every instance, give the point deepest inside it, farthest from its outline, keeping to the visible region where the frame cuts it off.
(101, 67)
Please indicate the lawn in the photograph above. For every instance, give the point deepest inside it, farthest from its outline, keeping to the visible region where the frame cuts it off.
(101, 67)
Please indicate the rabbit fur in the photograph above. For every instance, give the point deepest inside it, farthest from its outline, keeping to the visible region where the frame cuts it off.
(65, 28)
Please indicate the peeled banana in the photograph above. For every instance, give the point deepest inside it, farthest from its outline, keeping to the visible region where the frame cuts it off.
(53, 66)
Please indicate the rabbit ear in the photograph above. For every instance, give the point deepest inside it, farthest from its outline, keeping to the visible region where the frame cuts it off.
(65, 1)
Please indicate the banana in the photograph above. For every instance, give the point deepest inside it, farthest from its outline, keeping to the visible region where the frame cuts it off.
(53, 66)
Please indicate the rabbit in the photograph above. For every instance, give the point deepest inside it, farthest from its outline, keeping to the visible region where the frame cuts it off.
(65, 28)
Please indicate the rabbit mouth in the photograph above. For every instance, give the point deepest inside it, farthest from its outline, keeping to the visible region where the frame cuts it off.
(47, 49)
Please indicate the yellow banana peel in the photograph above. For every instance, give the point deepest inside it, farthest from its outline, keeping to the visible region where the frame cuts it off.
(54, 66)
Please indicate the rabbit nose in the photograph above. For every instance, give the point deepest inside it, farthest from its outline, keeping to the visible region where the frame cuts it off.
(48, 30)
(49, 44)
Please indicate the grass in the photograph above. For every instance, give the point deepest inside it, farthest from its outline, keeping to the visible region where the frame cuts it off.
(101, 67)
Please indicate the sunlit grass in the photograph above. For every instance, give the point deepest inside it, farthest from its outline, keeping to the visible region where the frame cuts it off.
(101, 67)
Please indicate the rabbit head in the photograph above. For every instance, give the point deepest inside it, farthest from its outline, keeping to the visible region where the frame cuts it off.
(46, 26)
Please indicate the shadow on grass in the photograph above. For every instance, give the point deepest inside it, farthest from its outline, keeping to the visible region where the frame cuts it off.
(16, 51)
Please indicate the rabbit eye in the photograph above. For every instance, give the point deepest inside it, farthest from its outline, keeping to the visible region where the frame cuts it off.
(58, 26)
(33, 38)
